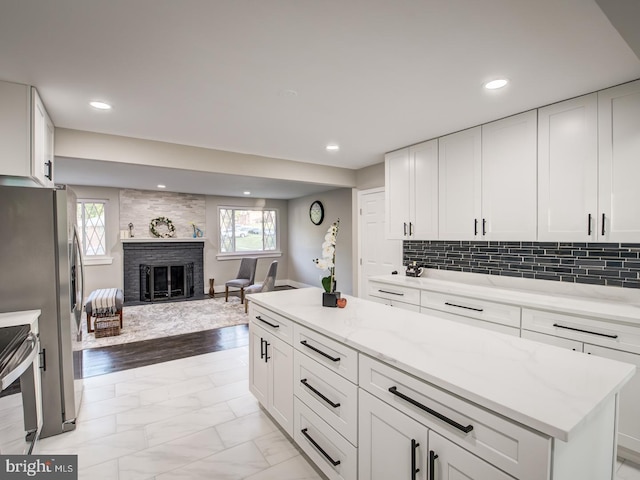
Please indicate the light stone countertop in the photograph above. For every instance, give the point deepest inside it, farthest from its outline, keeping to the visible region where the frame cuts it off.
(578, 304)
(27, 317)
(546, 388)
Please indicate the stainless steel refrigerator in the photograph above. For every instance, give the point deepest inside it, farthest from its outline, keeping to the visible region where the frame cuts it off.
(41, 268)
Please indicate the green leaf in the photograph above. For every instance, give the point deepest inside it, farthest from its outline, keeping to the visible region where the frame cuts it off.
(326, 283)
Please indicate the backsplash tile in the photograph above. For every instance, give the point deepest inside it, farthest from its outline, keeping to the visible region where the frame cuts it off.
(611, 264)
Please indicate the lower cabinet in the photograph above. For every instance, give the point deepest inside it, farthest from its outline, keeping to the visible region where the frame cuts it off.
(271, 374)
(393, 445)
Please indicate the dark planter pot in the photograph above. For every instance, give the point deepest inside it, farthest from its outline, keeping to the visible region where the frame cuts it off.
(330, 299)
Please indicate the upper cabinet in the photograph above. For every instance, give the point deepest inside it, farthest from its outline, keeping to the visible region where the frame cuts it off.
(488, 181)
(619, 163)
(411, 178)
(568, 170)
(509, 198)
(26, 135)
(460, 167)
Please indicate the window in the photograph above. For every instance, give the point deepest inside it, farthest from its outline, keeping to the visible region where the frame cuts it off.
(247, 230)
(91, 227)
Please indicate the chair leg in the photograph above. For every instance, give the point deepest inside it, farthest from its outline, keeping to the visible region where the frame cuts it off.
(226, 293)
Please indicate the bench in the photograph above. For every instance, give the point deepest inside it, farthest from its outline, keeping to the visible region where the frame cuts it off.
(88, 308)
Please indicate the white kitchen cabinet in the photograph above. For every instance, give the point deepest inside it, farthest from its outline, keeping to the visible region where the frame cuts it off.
(619, 168)
(394, 296)
(392, 445)
(509, 164)
(26, 135)
(460, 183)
(411, 180)
(271, 374)
(568, 170)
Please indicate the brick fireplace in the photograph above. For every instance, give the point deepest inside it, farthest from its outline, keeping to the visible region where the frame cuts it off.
(160, 253)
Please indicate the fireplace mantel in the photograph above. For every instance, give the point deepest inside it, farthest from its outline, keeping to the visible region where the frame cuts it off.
(161, 240)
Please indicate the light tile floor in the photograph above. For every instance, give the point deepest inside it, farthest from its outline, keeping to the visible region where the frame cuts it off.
(192, 418)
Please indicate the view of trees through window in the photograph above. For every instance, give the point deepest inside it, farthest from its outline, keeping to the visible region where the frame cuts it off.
(246, 230)
(91, 227)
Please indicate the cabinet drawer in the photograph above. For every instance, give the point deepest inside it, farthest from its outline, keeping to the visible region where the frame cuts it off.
(271, 322)
(394, 292)
(470, 307)
(552, 340)
(507, 445)
(331, 396)
(496, 327)
(583, 329)
(331, 453)
(334, 355)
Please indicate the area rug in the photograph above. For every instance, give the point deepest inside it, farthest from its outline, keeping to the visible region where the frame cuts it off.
(157, 320)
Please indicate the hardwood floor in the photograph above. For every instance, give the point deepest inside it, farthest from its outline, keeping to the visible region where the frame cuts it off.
(99, 361)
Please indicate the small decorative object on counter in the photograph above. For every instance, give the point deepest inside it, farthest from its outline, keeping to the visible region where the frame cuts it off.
(342, 302)
(413, 270)
(169, 229)
(130, 230)
(328, 262)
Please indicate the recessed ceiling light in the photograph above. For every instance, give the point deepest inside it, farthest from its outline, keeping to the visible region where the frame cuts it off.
(247, 192)
(100, 105)
(161, 186)
(332, 147)
(495, 84)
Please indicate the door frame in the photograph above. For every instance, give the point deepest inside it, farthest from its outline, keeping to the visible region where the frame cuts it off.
(360, 287)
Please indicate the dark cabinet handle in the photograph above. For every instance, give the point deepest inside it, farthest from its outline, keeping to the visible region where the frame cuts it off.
(391, 293)
(262, 342)
(333, 462)
(432, 465)
(603, 219)
(405, 228)
(484, 227)
(49, 173)
(306, 384)
(439, 416)
(266, 351)
(414, 470)
(557, 325)
(272, 325)
(475, 227)
(317, 350)
(589, 225)
(410, 228)
(462, 306)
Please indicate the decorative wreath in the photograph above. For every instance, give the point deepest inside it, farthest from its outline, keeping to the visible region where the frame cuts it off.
(171, 230)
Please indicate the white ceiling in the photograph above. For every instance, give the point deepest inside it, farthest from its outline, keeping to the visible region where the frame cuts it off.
(371, 75)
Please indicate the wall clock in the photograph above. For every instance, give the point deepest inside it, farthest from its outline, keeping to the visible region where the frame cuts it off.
(316, 212)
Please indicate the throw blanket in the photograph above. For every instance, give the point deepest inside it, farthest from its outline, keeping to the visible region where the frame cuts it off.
(103, 303)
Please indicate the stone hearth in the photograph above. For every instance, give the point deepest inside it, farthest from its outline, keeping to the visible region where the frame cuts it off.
(159, 252)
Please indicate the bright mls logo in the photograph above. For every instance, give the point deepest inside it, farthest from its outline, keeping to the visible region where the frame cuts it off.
(58, 467)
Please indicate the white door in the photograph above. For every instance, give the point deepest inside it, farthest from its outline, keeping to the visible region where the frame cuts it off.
(619, 164)
(392, 445)
(629, 419)
(258, 368)
(509, 178)
(447, 461)
(397, 166)
(378, 254)
(280, 360)
(568, 170)
(459, 192)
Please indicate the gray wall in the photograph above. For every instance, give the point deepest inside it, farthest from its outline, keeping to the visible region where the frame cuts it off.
(370, 177)
(305, 238)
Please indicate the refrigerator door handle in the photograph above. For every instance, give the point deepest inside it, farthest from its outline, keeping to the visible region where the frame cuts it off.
(78, 263)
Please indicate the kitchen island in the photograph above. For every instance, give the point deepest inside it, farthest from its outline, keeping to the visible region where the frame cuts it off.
(371, 388)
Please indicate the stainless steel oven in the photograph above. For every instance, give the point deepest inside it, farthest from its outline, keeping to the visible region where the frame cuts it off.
(19, 348)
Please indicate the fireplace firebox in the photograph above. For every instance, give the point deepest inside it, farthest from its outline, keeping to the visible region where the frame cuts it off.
(166, 282)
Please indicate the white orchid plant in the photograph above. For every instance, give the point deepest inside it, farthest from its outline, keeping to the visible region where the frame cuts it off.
(328, 260)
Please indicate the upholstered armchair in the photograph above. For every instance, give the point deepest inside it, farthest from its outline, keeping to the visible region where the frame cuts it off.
(246, 277)
(267, 285)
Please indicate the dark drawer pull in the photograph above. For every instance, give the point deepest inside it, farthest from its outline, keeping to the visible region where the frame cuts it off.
(453, 423)
(306, 384)
(585, 331)
(333, 462)
(391, 293)
(414, 469)
(317, 350)
(272, 325)
(432, 464)
(462, 306)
